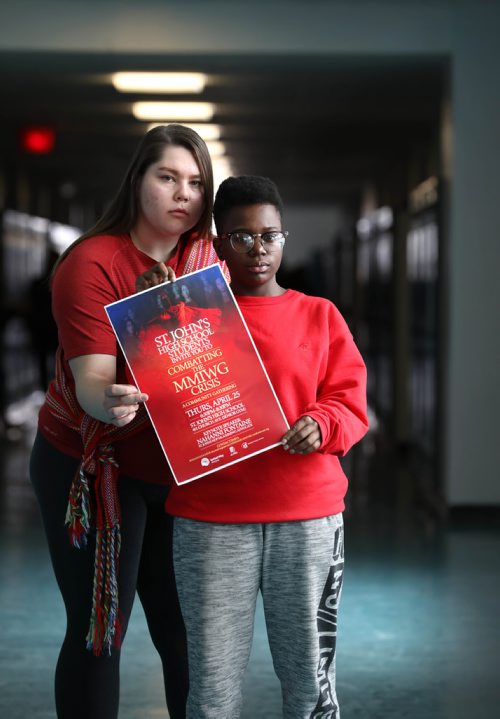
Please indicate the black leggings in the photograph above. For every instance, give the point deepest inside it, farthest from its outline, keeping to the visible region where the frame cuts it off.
(86, 686)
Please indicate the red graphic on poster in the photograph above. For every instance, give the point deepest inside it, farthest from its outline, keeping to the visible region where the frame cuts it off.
(188, 347)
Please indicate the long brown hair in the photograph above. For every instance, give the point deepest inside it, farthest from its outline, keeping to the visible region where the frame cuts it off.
(121, 215)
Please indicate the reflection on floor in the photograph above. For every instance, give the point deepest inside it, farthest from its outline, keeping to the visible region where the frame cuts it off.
(419, 630)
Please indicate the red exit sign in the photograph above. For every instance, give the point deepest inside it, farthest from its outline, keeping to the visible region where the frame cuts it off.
(38, 140)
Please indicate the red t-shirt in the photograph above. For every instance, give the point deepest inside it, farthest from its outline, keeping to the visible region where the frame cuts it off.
(316, 369)
(98, 271)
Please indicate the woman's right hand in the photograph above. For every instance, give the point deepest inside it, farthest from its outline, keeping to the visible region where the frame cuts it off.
(121, 403)
(157, 275)
(98, 393)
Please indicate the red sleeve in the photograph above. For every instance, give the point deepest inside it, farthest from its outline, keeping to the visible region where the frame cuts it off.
(340, 408)
(80, 289)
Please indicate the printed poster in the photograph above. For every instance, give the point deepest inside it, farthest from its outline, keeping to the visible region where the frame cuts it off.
(187, 346)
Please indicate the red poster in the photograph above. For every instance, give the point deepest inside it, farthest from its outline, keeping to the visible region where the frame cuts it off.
(188, 347)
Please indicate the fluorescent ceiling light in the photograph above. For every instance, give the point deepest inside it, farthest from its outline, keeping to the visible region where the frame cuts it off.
(222, 163)
(159, 81)
(222, 168)
(205, 131)
(216, 148)
(173, 110)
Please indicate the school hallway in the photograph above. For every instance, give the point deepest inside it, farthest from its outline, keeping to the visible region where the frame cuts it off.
(378, 121)
(419, 632)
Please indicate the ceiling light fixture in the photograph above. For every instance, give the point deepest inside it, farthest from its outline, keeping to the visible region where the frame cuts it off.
(216, 148)
(159, 81)
(205, 131)
(173, 110)
(222, 168)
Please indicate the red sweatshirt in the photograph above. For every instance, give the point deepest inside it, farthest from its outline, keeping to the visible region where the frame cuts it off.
(316, 369)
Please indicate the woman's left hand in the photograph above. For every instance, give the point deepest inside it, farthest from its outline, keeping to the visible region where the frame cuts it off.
(303, 438)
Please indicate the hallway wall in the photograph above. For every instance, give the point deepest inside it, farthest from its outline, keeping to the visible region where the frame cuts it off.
(464, 31)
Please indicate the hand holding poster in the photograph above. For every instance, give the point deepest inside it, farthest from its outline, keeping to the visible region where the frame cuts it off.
(188, 347)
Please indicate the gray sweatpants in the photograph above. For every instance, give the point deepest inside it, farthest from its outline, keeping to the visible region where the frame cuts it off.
(298, 566)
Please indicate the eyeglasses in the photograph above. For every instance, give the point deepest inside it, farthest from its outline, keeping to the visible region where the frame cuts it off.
(243, 242)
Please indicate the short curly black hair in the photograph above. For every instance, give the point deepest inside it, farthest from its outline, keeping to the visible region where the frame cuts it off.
(245, 190)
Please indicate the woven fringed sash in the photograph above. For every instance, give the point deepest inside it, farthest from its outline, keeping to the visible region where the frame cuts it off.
(93, 504)
(105, 624)
(199, 253)
(93, 498)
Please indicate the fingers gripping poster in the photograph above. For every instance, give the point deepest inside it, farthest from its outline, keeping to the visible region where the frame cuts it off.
(187, 346)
